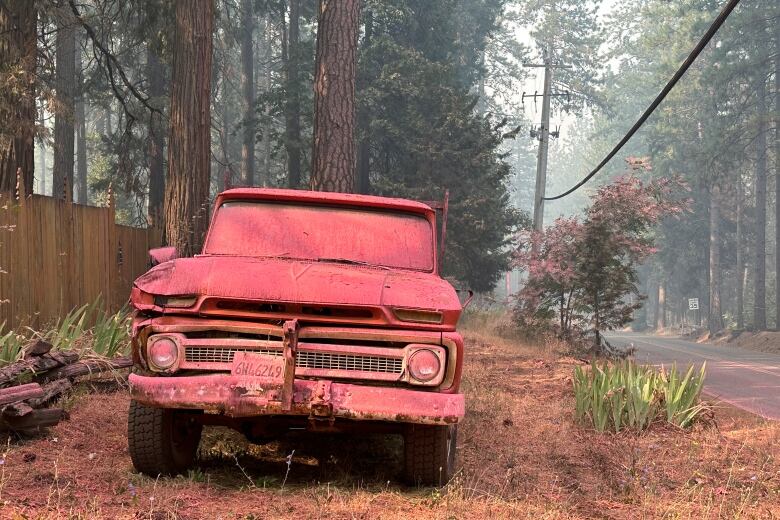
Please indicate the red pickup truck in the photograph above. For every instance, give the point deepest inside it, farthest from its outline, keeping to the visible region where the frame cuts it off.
(312, 310)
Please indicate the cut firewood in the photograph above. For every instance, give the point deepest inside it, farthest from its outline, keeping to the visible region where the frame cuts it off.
(17, 410)
(87, 367)
(20, 393)
(36, 365)
(33, 420)
(38, 347)
(51, 391)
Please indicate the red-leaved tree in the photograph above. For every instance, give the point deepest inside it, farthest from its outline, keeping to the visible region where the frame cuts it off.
(582, 271)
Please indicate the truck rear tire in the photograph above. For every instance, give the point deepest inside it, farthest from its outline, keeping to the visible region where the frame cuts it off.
(162, 441)
(429, 453)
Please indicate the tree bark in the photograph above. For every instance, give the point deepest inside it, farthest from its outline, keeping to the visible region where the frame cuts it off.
(777, 175)
(189, 145)
(42, 172)
(740, 256)
(155, 74)
(263, 78)
(17, 113)
(759, 303)
(64, 135)
(661, 306)
(364, 124)
(248, 92)
(293, 107)
(333, 155)
(81, 133)
(715, 317)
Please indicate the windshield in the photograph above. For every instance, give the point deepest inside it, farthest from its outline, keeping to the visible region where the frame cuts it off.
(352, 235)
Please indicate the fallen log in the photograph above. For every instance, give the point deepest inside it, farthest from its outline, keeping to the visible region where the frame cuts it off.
(18, 393)
(51, 391)
(36, 365)
(33, 420)
(87, 367)
(16, 410)
(36, 348)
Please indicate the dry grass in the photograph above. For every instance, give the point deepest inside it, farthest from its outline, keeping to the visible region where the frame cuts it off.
(521, 456)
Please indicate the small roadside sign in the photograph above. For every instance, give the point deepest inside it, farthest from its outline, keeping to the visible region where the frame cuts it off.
(693, 304)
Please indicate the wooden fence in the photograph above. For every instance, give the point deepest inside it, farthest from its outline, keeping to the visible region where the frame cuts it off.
(56, 256)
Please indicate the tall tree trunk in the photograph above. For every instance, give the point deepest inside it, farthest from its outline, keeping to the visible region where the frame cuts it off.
(227, 125)
(42, 151)
(661, 306)
(657, 307)
(760, 265)
(333, 155)
(267, 178)
(715, 317)
(17, 117)
(248, 91)
(189, 144)
(293, 107)
(64, 135)
(155, 74)
(263, 79)
(81, 133)
(777, 175)
(109, 129)
(364, 123)
(740, 255)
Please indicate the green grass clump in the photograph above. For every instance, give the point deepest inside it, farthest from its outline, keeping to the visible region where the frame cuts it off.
(625, 395)
(88, 329)
(11, 344)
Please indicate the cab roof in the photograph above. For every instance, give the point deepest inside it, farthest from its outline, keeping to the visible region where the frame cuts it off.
(323, 197)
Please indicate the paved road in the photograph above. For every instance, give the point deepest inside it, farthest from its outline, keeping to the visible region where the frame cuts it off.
(747, 379)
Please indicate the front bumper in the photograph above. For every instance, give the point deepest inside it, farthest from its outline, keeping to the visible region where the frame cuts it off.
(241, 396)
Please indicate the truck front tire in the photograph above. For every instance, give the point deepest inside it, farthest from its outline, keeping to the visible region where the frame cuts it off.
(162, 441)
(429, 453)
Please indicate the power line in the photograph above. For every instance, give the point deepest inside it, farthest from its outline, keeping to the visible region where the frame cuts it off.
(725, 12)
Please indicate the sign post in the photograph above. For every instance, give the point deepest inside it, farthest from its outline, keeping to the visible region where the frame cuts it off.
(693, 305)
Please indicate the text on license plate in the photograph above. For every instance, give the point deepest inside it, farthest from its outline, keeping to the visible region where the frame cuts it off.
(257, 365)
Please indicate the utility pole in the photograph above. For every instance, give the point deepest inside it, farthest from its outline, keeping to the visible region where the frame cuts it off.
(543, 134)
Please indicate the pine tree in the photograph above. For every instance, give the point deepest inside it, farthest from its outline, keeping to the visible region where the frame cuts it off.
(333, 154)
(189, 144)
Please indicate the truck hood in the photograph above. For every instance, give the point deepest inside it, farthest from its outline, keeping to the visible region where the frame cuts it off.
(286, 280)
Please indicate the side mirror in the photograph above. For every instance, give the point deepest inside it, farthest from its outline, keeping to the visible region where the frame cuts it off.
(468, 299)
(159, 255)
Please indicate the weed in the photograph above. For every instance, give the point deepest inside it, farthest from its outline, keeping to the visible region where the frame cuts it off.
(88, 328)
(626, 395)
(681, 395)
(11, 344)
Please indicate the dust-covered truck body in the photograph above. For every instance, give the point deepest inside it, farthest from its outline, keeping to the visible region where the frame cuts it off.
(312, 310)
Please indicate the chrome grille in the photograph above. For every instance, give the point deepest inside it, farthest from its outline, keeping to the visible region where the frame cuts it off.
(304, 359)
(220, 354)
(331, 361)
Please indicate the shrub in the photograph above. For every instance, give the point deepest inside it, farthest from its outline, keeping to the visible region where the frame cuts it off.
(626, 395)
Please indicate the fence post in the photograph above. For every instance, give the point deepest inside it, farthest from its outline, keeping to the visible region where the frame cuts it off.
(19, 192)
(113, 268)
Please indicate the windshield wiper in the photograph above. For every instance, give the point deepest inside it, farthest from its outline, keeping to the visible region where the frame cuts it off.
(351, 262)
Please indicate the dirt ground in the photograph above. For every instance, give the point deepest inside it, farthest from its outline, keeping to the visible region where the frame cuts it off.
(521, 455)
(765, 341)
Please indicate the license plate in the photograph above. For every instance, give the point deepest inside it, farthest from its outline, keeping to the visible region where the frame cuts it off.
(258, 365)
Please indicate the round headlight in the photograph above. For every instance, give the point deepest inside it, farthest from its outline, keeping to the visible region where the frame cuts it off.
(163, 353)
(424, 365)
